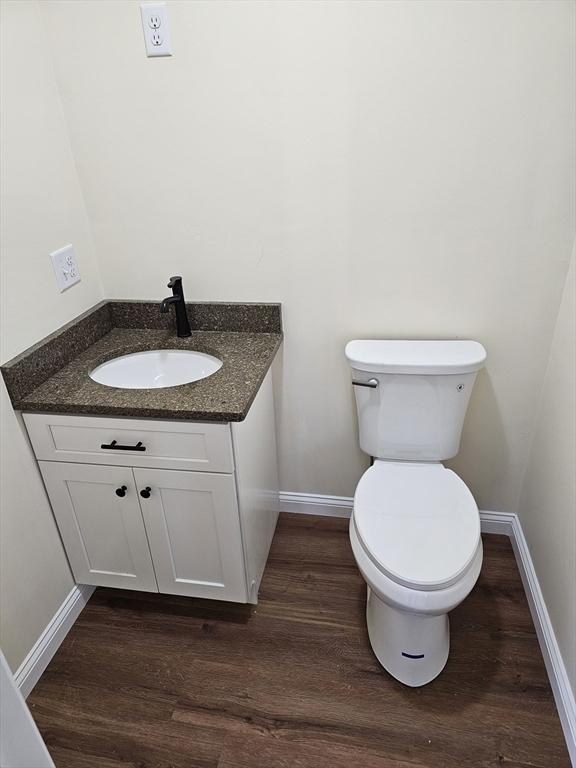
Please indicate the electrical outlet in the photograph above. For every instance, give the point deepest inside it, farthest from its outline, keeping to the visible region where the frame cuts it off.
(155, 26)
(65, 267)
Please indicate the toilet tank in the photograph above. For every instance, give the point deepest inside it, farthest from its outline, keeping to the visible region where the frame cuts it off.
(415, 395)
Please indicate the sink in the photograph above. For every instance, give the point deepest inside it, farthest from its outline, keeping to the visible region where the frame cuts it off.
(156, 369)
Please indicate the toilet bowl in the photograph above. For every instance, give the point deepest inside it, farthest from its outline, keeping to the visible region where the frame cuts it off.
(415, 527)
(415, 535)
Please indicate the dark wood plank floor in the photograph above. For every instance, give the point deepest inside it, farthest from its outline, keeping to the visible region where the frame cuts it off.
(149, 680)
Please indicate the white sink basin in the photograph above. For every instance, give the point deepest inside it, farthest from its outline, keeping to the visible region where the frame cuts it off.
(155, 369)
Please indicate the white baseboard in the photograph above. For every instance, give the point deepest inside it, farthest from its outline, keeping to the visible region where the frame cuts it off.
(497, 522)
(563, 694)
(341, 506)
(508, 524)
(315, 504)
(28, 673)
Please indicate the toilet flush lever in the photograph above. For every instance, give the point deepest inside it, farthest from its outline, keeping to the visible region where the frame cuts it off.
(372, 383)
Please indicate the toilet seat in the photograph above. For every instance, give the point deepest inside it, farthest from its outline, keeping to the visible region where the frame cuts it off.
(417, 522)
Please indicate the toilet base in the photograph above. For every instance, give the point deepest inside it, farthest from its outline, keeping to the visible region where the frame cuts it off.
(413, 648)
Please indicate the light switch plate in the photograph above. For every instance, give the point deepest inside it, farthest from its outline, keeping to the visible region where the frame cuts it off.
(155, 27)
(65, 267)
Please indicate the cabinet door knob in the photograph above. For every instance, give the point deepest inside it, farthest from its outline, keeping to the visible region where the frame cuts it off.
(145, 492)
(121, 491)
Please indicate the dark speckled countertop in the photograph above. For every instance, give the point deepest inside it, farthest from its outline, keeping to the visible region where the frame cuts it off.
(53, 376)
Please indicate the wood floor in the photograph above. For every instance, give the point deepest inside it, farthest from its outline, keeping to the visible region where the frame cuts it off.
(148, 680)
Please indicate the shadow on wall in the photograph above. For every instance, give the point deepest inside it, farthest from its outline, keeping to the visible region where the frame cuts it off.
(277, 379)
(483, 460)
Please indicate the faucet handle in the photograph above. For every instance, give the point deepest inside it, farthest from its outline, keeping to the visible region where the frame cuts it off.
(173, 280)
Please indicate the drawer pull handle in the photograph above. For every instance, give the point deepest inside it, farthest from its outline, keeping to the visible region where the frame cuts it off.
(145, 492)
(114, 446)
(121, 491)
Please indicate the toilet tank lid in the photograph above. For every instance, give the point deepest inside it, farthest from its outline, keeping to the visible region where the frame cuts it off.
(416, 357)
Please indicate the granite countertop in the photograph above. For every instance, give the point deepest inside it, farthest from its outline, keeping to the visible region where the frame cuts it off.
(53, 376)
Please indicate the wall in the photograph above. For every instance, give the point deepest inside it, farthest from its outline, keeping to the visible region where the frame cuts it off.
(394, 169)
(42, 209)
(548, 502)
(383, 169)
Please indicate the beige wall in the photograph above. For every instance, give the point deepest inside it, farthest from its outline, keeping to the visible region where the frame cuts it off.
(42, 209)
(548, 502)
(393, 169)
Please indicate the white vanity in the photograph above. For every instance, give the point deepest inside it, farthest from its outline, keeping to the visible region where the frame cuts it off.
(157, 442)
(178, 507)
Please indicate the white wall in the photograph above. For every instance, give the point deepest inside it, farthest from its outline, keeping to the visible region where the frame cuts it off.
(42, 209)
(392, 169)
(548, 502)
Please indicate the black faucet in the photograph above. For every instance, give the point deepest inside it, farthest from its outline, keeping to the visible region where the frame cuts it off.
(182, 323)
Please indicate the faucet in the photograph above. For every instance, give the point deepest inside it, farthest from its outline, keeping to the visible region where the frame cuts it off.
(182, 323)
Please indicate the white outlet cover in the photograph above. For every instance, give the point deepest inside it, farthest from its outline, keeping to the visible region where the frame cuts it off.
(155, 28)
(65, 267)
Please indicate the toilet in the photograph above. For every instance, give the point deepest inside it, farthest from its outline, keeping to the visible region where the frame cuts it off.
(415, 527)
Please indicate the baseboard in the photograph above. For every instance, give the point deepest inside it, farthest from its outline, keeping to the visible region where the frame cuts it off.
(316, 504)
(508, 524)
(341, 506)
(28, 673)
(563, 694)
(497, 522)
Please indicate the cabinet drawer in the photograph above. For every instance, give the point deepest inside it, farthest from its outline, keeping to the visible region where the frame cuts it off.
(161, 444)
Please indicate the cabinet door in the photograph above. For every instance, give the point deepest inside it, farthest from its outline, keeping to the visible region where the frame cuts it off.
(194, 533)
(103, 533)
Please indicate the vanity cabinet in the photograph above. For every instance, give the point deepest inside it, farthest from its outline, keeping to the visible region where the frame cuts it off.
(184, 508)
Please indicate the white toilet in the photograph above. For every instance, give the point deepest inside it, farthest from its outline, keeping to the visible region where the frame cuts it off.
(415, 528)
